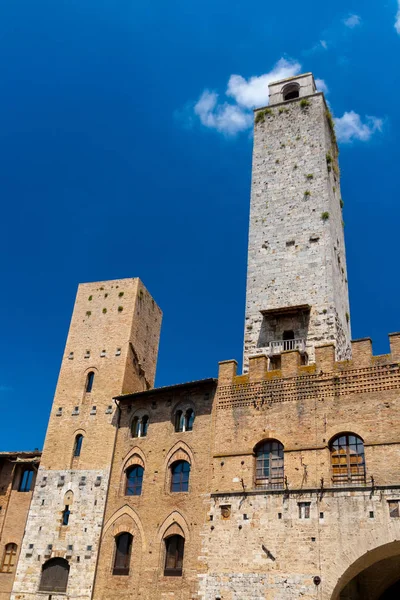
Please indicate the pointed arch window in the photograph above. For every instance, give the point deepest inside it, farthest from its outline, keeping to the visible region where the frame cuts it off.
(78, 445)
(134, 481)
(89, 382)
(66, 515)
(180, 471)
(347, 459)
(140, 426)
(269, 464)
(25, 484)
(122, 557)
(54, 576)
(174, 548)
(9, 557)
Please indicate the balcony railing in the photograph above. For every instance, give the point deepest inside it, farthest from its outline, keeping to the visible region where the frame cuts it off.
(279, 346)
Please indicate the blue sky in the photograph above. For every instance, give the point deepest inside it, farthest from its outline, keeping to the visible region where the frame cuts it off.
(126, 151)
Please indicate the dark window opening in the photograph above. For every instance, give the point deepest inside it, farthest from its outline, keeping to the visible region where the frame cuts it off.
(347, 459)
(10, 554)
(269, 465)
(134, 481)
(287, 337)
(140, 426)
(54, 576)
(65, 515)
(179, 421)
(174, 547)
(78, 445)
(394, 508)
(26, 480)
(275, 363)
(189, 419)
(123, 549)
(291, 91)
(89, 382)
(180, 471)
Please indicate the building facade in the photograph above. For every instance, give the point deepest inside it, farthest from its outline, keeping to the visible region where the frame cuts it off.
(282, 482)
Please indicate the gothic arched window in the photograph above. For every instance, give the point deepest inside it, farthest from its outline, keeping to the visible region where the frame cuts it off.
(89, 382)
(8, 563)
(54, 576)
(189, 419)
(174, 547)
(122, 557)
(134, 481)
(269, 464)
(78, 445)
(347, 459)
(180, 471)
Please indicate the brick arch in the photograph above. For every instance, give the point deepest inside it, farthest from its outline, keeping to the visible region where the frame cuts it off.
(362, 561)
(125, 511)
(266, 436)
(134, 457)
(180, 451)
(88, 369)
(351, 428)
(175, 523)
(344, 432)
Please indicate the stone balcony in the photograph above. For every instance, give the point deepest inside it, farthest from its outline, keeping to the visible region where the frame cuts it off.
(276, 347)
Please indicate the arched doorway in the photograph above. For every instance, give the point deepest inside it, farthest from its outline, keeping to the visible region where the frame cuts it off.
(374, 576)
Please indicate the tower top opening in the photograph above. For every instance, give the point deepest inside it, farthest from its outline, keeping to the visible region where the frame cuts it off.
(292, 88)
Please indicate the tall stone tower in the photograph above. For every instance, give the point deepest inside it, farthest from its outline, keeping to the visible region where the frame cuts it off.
(297, 293)
(111, 349)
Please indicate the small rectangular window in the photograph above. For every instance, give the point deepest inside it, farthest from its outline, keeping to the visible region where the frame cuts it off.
(394, 508)
(26, 480)
(304, 510)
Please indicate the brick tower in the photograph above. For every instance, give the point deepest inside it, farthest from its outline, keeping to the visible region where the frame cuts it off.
(297, 293)
(111, 349)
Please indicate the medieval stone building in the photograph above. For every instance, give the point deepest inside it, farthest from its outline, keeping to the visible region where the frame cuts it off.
(279, 483)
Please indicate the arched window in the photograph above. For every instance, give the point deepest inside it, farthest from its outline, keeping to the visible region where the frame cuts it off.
(26, 480)
(291, 91)
(189, 419)
(179, 421)
(174, 546)
(347, 459)
(122, 557)
(184, 420)
(54, 575)
(140, 426)
(89, 382)
(8, 563)
(269, 464)
(134, 480)
(78, 445)
(180, 471)
(145, 425)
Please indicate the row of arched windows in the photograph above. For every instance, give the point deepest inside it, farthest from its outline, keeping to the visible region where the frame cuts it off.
(54, 576)
(180, 472)
(173, 550)
(183, 421)
(347, 461)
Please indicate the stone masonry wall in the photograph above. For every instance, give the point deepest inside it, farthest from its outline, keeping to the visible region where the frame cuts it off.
(296, 256)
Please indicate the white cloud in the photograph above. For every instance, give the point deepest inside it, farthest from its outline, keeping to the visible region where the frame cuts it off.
(350, 127)
(397, 22)
(226, 118)
(352, 21)
(321, 86)
(253, 92)
(233, 117)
